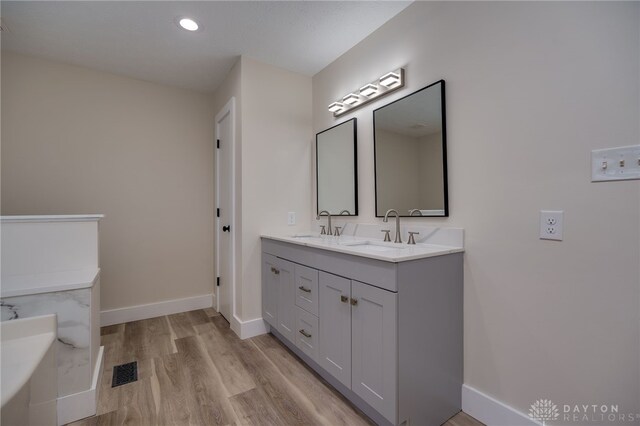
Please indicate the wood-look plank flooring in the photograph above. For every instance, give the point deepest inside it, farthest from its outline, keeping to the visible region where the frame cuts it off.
(193, 370)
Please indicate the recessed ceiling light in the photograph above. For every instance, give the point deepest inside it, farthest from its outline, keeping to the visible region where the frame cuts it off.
(188, 24)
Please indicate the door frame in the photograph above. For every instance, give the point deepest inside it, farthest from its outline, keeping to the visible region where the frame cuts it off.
(228, 109)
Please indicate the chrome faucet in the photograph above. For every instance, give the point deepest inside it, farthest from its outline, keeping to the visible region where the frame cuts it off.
(328, 215)
(386, 219)
(412, 211)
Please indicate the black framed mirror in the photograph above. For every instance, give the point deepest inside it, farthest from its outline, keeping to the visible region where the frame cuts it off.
(337, 169)
(410, 150)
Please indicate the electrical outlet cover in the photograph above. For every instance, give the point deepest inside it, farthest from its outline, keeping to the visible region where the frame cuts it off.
(291, 218)
(551, 225)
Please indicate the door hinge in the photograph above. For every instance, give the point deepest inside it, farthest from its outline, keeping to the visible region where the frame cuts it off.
(218, 143)
(217, 212)
(218, 282)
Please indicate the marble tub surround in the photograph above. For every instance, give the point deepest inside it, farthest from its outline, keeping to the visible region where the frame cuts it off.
(50, 265)
(29, 388)
(73, 341)
(367, 240)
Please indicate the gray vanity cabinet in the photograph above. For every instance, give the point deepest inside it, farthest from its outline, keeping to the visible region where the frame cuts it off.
(270, 289)
(335, 326)
(374, 347)
(358, 339)
(286, 320)
(386, 335)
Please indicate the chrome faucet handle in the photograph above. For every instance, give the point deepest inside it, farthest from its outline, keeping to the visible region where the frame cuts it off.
(337, 231)
(323, 230)
(411, 239)
(387, 237)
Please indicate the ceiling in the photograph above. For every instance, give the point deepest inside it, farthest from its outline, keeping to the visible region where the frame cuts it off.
(140, 39)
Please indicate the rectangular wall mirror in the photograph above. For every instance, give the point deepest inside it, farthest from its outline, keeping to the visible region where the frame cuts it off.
(410, 154)
(336, 169)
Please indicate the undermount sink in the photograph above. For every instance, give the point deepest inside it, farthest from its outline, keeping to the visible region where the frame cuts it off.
(374, 246)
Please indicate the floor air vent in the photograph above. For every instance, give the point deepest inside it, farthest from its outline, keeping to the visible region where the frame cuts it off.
(125, 373)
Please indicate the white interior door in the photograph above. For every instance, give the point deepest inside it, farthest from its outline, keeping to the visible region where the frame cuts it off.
(225, 227)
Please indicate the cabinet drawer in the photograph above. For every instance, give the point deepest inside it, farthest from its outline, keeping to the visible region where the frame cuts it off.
(307, 333)
(307, 289)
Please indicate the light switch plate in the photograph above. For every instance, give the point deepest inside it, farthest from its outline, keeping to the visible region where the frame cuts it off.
(621, 163)
(291, 218)
(551, 225)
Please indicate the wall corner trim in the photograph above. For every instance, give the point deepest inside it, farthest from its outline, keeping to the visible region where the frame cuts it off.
(249, 328)
(492, 412)
(152, 310)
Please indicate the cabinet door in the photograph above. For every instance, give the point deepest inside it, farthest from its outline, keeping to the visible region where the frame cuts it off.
(286, 299)
(334, 346)
(375, 347)
(269, 289)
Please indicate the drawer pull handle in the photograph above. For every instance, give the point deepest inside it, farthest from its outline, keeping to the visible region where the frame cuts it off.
(354, 302)
(306, 290)
(344, 299)
(304, 333)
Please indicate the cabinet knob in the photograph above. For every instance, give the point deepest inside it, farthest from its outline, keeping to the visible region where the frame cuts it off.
(344, 299)
(275, 271)
(306, 290)
(354, 302)
(304, 333)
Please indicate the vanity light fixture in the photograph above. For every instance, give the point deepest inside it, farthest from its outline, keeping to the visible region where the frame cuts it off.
(368, 90)
(388, 83)
(390, 79)
(351, 99)
(336, 106)
(188, 24)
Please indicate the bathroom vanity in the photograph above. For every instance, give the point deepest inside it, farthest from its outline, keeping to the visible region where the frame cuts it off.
(381, 322)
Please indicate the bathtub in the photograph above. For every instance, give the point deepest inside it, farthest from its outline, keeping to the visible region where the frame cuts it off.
(50, 266)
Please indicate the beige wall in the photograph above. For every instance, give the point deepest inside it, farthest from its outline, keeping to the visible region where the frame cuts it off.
(532, 88)
(273, 170)
(81, 141)
(276, 170)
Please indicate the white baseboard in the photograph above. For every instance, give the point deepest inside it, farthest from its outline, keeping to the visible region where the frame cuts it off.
(248, 329)
(492, 412)
(152, 310)
(82, 404)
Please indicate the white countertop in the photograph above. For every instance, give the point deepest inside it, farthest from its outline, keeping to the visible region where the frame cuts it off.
(25, 342)
(21, 285)
(366, 247)
(52, 218)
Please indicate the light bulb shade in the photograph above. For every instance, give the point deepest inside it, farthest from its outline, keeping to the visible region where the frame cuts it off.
(368, 90)
(336, 106)
(390, 79)
(351, 99)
